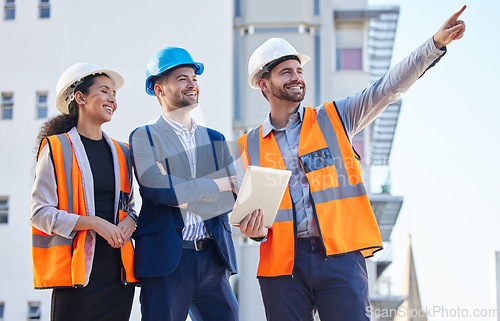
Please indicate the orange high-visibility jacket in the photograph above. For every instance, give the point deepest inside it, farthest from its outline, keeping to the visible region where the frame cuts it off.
(345, 218)
(64, 262)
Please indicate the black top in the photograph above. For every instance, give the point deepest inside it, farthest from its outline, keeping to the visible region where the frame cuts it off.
(101, 164)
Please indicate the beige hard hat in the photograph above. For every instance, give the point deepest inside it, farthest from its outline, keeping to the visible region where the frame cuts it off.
(271, 50)
(73, 76)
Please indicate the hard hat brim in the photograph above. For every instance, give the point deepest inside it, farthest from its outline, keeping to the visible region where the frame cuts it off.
(62, 104)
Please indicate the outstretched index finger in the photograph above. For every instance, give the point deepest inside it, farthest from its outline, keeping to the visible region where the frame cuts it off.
(457, 14)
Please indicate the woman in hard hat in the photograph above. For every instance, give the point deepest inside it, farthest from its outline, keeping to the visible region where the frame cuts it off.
(82, 207)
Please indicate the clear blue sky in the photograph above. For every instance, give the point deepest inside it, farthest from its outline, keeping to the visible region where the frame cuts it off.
(445, 159)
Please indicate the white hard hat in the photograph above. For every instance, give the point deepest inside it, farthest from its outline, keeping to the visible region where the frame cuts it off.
(266, 53)
(73, 76)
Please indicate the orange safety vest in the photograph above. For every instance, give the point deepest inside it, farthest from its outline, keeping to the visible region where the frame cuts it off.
(346, 222)
(59, 261)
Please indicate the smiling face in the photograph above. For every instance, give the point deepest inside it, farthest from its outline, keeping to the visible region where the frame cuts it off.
(178, 90)
(285, 82)
(99, 104)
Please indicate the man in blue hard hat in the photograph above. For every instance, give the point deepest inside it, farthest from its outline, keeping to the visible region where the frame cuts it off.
(184, 250)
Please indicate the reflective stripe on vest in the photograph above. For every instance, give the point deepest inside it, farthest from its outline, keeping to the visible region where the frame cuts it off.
(59, 261)
(343, 211)
(127, 251)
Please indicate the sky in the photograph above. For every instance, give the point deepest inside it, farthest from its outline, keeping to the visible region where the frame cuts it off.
(444, 160)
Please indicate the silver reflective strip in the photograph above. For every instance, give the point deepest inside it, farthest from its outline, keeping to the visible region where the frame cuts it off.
(253, 147)
(284, 215)
(67, 151)
(344, 190)
(338, 193)
(46, 241)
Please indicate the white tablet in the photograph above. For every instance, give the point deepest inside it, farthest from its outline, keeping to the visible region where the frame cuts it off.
(262, 188)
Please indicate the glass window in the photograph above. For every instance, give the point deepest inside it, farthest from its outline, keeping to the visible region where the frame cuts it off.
(10, 10)
(317, 67)
(44, 12)
(44, 8)
(6, 109)
(237, 77)
(349, 45)
(42, 108)
(34, 311)
(349, 59)
(237, 8)
(4, 210)
(316, 8)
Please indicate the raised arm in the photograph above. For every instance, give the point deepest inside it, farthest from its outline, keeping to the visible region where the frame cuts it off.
(359, 110)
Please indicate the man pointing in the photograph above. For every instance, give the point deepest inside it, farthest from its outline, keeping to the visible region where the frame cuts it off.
(313, 257)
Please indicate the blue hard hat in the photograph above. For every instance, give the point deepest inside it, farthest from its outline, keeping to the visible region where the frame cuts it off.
(166, 59)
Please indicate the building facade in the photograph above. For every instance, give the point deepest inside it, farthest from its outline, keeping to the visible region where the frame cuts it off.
(350, 45)
(43, 38)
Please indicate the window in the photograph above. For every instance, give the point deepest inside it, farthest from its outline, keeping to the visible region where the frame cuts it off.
(349, 44)
(349, 59)
(317, 67)
(316, 8)
(6, 109)
(237, 8)
(9, 10)
(44, 8)
(34, 311)
(42, 109)
(4, 210)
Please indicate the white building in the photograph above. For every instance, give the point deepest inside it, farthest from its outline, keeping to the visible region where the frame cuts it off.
(349, 43)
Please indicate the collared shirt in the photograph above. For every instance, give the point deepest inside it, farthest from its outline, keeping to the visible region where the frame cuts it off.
(356, 112)
(194, 226)
(288, 143)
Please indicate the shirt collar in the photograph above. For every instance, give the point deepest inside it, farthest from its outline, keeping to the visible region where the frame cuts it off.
(178, 127)
(267, 126)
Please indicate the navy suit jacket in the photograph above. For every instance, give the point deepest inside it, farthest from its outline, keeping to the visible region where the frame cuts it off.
(158, 236)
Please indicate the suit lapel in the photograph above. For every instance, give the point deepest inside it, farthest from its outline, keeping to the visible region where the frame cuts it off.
(204, 153)
(173, 146)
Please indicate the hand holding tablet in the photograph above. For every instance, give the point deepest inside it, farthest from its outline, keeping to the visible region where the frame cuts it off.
(262, 188)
